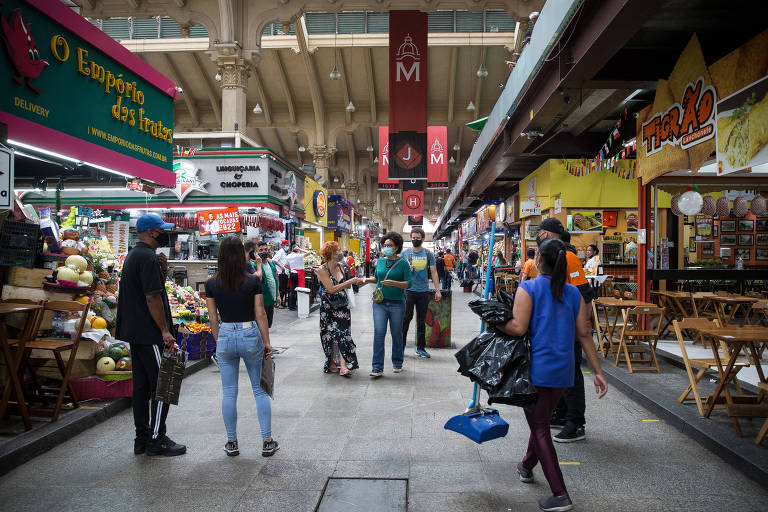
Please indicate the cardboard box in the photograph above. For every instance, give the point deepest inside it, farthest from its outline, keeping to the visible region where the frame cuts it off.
(28, 277)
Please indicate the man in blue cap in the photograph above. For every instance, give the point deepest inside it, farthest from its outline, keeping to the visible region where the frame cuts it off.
(144, 321)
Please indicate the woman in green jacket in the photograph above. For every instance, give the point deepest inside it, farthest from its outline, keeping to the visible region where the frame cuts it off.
(266, 271)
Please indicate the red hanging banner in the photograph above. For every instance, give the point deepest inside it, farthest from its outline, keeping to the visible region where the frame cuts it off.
(415, 220)
(408, 69)
(384, 182)
(413, 197)
(437, 165)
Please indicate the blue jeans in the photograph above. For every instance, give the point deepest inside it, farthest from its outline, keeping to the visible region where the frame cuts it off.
(235, 342)
(394, 311)
(445, 282)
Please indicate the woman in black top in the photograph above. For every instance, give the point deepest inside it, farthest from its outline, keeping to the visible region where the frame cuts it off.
(235, 296)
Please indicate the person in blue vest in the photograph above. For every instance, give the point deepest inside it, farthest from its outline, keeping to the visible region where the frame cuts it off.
(423, 267)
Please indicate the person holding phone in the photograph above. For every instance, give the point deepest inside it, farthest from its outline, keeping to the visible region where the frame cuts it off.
(236, 297)
(393, 276)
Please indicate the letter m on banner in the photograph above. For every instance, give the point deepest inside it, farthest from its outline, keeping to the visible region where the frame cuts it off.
(437, 164)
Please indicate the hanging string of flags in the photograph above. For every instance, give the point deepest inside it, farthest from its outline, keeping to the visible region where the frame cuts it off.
(603, 162)
(585, 167)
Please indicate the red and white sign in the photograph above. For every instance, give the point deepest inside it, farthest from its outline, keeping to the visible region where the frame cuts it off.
(413, 197)
(408, 70)
(213, 222)
(384, 182)
(437, 165)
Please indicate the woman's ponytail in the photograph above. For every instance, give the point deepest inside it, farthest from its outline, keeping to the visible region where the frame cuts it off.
(554, 261)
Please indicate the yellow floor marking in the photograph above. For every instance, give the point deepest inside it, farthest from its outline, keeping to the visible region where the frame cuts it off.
(570, 463)
(89, 407)
(587, 373)
(651, 421)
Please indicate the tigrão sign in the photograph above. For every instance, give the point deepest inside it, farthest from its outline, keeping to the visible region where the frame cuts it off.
(67, 87)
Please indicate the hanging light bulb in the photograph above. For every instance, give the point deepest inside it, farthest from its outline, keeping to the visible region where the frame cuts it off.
(350, 108)
(471, 106)
(335, 73)
(258, 110)
(302, 149)
(456, 147)
(369, 148)
(343, 185)
(376, 160)
(482, 72)
(452, 160)
(218, 77)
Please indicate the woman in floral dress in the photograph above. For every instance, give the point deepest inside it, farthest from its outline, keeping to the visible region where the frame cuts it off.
(335, 317)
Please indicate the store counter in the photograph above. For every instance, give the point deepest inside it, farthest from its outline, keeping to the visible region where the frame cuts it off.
(197, 271)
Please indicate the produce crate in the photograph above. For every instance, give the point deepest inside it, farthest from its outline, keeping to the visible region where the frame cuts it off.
(198, 346)
(20, 243)
(29, 277)
(94, 387)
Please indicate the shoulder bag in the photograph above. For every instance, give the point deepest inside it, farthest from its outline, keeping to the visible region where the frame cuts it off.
(338, 299)
(378, 293)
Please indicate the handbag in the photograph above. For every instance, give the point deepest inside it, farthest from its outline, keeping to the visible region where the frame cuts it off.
(338, 299)
(267, 381)
(170, 375)
(378, 293)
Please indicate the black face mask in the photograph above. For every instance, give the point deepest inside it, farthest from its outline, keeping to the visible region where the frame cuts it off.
(264, 255)
(417, 243)
(162, 239)
(539, 239)
(252, 255)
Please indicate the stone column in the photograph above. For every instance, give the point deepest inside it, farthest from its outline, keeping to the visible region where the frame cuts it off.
(234, 86)
(322, 155)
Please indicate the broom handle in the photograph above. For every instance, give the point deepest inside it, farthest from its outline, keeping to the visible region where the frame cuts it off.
(476, 389)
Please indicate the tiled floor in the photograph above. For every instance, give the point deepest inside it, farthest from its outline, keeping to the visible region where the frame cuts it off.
(391, 428)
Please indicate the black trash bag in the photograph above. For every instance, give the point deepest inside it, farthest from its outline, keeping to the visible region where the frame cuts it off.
(467, 282)
(493, 312)
(506, 298)
(515, 387)
(500, 364)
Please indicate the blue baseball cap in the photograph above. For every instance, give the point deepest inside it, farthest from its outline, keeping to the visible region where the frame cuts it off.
(151, 221)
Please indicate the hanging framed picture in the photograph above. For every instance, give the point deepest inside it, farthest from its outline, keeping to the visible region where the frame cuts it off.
(746, 225)
(728, 226)
(745, 253)
(747, 239)
(761, 239)
(728, 239)
(762, 225)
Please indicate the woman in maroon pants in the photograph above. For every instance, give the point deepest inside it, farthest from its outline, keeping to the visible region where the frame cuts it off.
(549, 308)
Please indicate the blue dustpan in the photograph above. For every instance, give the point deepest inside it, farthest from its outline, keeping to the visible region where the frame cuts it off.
(479, 426)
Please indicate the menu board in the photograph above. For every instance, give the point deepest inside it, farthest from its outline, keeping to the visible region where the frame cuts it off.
(586, 221)
(704, 226)
(118, 235)
(742, 121)
(213, 222)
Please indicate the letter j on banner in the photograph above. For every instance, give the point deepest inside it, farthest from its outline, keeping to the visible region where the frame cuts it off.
(408, 95)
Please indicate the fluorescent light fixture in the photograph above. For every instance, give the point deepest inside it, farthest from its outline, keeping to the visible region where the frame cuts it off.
(67, 158)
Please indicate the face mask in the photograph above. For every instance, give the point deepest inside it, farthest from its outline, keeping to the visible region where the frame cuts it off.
(264, 255)
(252, 255)
(287, 250)
(539, 239)
(388, 251)
(417, 243)
(162, 239)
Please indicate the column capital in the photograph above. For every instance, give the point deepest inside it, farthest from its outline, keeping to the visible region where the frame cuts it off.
(322, 151)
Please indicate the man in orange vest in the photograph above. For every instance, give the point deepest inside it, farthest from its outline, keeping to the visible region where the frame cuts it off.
(570, 411)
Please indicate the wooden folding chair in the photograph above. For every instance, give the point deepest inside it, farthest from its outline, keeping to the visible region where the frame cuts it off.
(637, 335)
(57, 346)
(603, 328)
(707, 366)
(763, 434)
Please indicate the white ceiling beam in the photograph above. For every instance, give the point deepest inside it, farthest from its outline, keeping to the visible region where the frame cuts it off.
(213, 97)
(452, 82)
(264, 100)
(344, 84)
(479, 84)
(318, 103)
(368, 58)
(284, 84)
(186, 93)
(352, 152)
(280, 146)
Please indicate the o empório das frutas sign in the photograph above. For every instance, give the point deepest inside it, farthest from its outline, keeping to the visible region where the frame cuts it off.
(65, 86)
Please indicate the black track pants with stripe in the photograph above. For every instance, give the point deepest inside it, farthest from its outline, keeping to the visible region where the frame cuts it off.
(148, 414)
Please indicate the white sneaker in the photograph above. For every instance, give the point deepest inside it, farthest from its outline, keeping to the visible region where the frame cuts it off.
(397, 370)
(376, 374)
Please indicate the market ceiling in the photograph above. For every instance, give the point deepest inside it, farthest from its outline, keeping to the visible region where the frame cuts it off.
(610, 55)
(290, 73)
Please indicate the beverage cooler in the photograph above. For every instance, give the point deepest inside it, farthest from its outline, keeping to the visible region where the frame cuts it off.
(612, 251)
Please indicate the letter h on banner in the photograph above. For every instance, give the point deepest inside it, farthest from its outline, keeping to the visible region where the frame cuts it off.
(413, 197)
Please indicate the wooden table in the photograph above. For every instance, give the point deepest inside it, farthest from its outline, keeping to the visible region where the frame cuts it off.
(618, 305)
(736, 339)
(721, 304)
(13, 388)
(677, 305)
